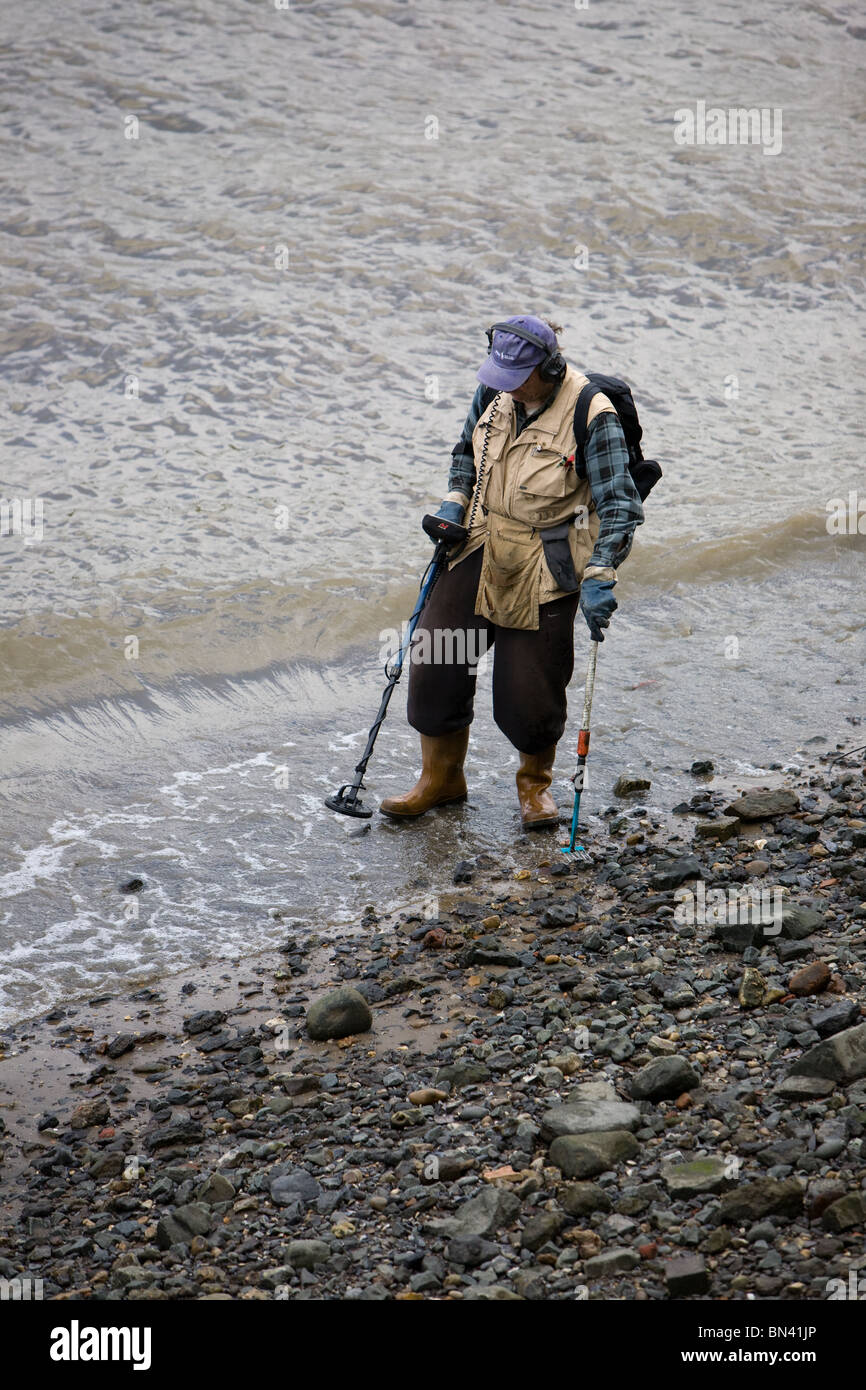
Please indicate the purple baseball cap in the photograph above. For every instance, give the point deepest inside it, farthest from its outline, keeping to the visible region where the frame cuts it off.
(512, 359)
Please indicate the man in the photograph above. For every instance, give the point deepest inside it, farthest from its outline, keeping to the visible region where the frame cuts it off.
(541, 539)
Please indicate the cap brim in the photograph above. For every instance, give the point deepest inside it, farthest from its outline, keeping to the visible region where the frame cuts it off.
(503, 378)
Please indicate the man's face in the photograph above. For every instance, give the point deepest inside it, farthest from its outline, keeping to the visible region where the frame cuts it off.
(534, 388)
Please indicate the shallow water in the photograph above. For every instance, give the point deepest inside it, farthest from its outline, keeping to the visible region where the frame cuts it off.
(237, 351)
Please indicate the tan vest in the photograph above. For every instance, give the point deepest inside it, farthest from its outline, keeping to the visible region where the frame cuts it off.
(525, 486)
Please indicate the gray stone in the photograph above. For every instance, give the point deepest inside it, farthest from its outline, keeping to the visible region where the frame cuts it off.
(306, 1254)
(665, 1078)
(764, 1197)
(736, 936)
(470, 1250)
(341, 1013)
(841, 1057)
(845, 1213)
(540, 1228)
(459, 1074)
(798, 922)
(204, 1021)
(764, 804)
(179, 1133)
(805, 1088)
(843, 1014)
(485, 1214)
(610, 1262)
(670, 873)
(628, 786)
(179, 1226)
(215, 1189)
(489, 950)
(107, 1165)
(585, 1155)
(583, 1198)
(697, 1177)
(686, 1274)
(589, 1117)
(724, 828)
(296, 1185)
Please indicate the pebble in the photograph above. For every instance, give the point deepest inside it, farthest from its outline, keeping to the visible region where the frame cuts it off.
(564, 1091)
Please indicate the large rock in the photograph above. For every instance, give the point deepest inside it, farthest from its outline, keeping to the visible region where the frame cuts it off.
(686, 1274)
(589, 1117)
(585, 1155)
(483, 1215)
(541, 1227)
(630, 786)
(805, 1087)
(583, 1198)
(339, 1014)
(470, 1250)
(799, 922)
(846, 1213)
(489, 950)
(839, 1058)
(458, 1074)
(294, 1185)
(306, 1254)
(179, 1226)
(764, 1197)
(844, 1014)
(89, 1113)
(722, 829)
(215, 1189)
(670, 873)
(697, 1177)
(613, 1261)
(764, 805)
(204, 1021)
(176, 1134)
(812, 979)
(664, 1079)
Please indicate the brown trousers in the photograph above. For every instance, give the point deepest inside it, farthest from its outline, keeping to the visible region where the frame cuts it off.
(531, 669)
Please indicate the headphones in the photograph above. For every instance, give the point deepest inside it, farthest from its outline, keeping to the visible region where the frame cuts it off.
(554, 364)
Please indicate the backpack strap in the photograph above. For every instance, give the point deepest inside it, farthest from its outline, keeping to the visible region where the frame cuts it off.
(581, 412)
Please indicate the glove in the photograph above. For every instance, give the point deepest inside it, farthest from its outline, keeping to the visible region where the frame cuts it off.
(451, 511)
(596, 604)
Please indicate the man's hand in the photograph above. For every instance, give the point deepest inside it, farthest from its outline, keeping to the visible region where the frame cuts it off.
(597, 603)
(451, 511)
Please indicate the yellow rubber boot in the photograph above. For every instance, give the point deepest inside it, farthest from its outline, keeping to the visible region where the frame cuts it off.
(441, 777)
(537, 806)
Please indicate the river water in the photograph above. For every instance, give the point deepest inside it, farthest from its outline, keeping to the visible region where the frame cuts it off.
(249, 254)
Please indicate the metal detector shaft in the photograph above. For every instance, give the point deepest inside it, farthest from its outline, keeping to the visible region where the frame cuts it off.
(582, 745)
(346, 799)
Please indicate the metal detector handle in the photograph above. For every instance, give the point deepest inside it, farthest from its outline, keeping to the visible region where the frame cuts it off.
(587, 695)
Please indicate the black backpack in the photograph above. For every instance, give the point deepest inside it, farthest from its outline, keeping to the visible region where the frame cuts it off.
(645, 473)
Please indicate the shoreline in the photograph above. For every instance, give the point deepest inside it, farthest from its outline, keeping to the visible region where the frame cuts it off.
(195, 1142)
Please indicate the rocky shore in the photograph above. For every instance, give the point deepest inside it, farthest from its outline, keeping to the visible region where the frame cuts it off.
(642, 1077)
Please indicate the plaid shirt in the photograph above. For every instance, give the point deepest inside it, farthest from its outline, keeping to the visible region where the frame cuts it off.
(615, 496)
